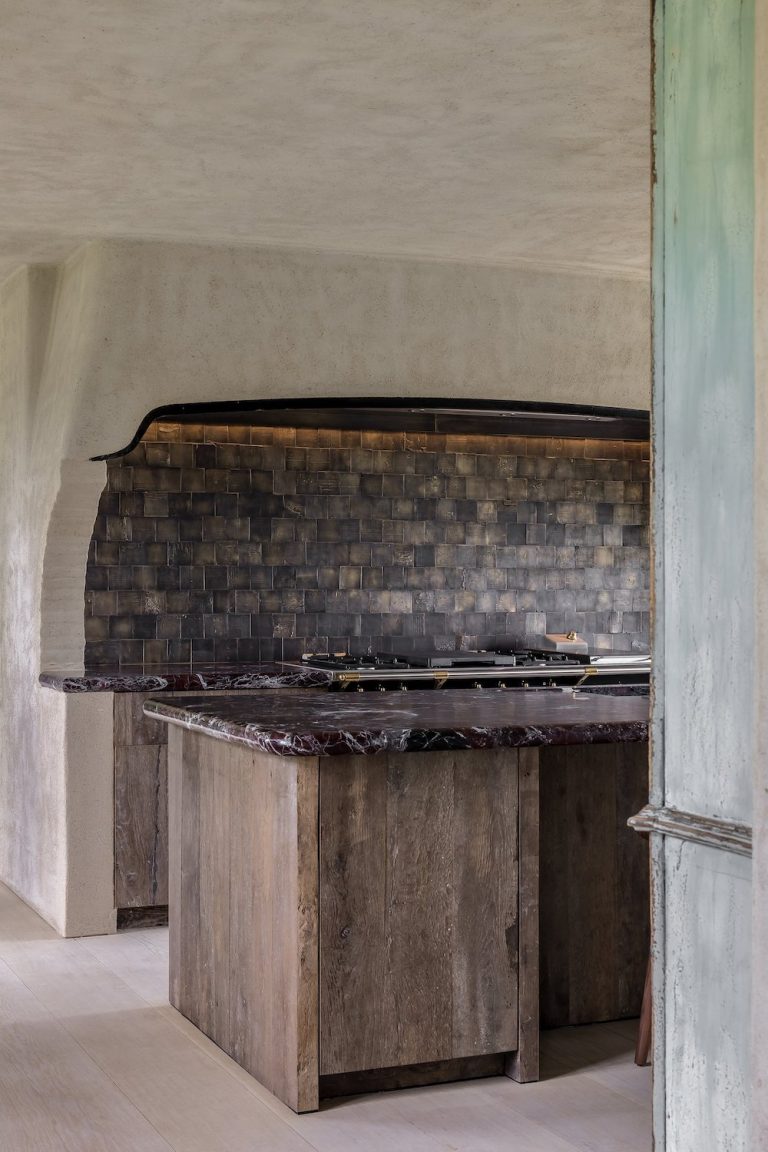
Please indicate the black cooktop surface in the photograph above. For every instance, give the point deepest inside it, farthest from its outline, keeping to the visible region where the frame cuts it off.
(459, 660)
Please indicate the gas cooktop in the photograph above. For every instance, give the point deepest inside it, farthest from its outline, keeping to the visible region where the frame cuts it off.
(465, 661)
(495, 668)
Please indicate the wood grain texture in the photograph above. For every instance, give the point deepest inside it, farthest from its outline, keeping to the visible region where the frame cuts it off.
(175, 804)
(485, 903)
(594, 899)
(418, 923)
(244, 942)
(141, 816)
(141, 826)
(353, 894)
(595, 934)
(633, 878)
(418, 933)
(155, 916)
(132, 727)
(523, 1064)
(554, 878)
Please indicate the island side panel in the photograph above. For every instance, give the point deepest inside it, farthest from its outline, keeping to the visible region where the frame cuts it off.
(141, 822)
(595, 933)
(594, 891)
(418, 926)
(141, 817)
(274, 909)
(213, 937)
(486, 897)
(353, 899)
(405, 978)
(244, 907)
(523, 1065)
(633, 875)
(175, 803)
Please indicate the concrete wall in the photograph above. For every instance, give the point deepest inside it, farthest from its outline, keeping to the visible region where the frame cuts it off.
(707, 980)
(141, 325)
(760, 524)
(704, 407)
(91, 346)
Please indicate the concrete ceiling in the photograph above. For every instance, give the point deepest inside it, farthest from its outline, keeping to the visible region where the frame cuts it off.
(480, 130)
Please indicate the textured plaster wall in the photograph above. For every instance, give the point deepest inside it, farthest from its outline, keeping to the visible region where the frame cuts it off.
(177, 323)
(89, 347)
(43, 767)
(704, 411)
(487, 131)
(163, 323)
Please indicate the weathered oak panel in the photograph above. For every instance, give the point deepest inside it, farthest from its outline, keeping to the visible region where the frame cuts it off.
(418, 922)
(244, 941)
(523, 1065)
(141, 820)
(485, 904)
(594, 907)
(175, 799)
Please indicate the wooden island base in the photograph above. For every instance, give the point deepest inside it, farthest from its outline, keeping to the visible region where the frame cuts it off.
(348, 923)
(356, 919)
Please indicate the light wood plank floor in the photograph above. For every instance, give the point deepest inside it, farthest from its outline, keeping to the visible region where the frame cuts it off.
(93, 1059)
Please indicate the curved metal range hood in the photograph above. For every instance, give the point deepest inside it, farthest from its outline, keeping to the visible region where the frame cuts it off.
(476, 417)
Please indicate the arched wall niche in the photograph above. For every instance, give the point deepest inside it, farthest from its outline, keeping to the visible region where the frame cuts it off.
(163, 325)
(93, 345)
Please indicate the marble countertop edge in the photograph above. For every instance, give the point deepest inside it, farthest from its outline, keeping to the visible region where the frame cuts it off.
(185, 678)
(305, 726)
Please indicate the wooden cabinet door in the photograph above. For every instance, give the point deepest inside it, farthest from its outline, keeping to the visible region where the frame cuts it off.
(418, 908)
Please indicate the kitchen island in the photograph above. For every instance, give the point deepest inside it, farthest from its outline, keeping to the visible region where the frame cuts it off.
(139, 758)
(355, 880)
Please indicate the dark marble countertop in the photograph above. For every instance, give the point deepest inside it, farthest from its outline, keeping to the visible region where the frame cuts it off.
(332, 724)
(184, 678)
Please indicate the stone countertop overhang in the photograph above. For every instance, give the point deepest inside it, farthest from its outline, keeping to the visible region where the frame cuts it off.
(334, 724)
(185, 678)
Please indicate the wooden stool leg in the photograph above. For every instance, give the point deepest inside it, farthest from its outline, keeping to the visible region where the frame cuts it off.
(643, 1046)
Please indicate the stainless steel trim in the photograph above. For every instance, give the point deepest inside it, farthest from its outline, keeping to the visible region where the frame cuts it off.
(620, 661)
